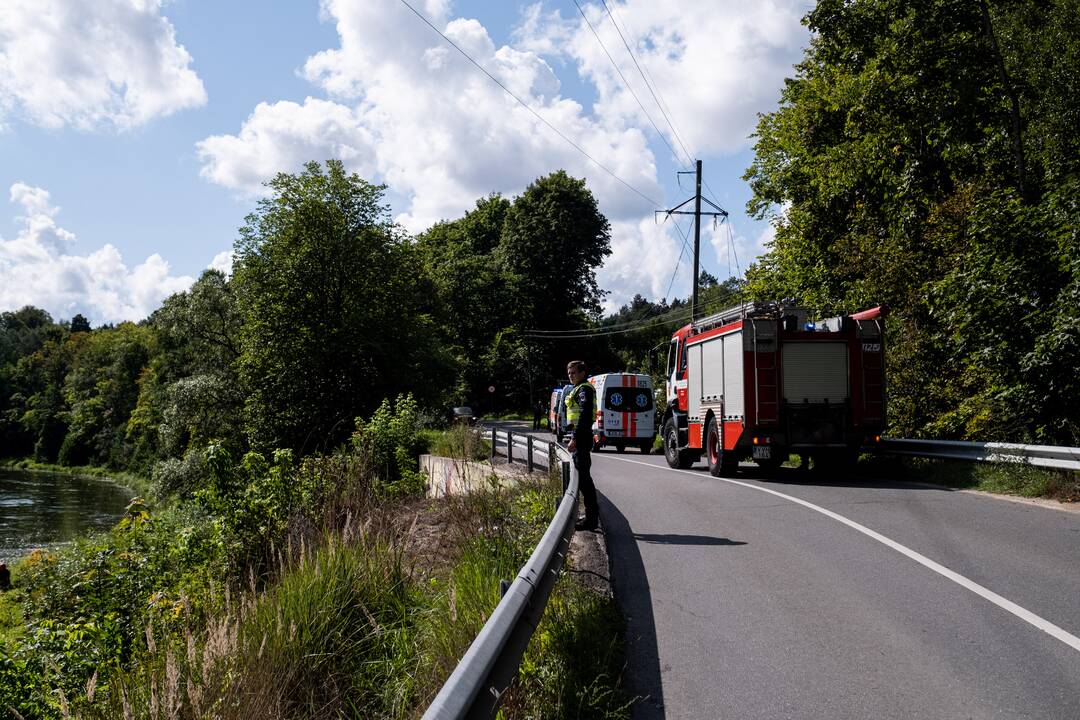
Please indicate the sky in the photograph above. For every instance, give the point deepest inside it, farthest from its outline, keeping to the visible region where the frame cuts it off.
(136, 135)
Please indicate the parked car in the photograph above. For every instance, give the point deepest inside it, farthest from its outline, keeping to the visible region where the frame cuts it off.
(464, 415)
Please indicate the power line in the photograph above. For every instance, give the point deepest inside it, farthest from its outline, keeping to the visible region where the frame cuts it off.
(731, 240)
(529, 108)
(647, 83)
(659, 103)
(678, 262)
(682, 317)
(626, 82)
(657, 96)
(603, 332)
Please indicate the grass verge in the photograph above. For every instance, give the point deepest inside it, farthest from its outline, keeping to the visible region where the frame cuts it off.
(1009, 478)
(573, 665)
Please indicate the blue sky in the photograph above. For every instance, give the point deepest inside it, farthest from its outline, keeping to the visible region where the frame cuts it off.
(134, 134)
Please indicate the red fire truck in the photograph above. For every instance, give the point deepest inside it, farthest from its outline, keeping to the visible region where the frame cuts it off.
(758, 381)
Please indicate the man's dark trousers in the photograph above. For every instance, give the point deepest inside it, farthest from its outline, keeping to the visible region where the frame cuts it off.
(583, 463)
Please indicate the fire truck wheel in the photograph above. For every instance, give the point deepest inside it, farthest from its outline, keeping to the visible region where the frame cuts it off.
(676, 458)
(714, 448)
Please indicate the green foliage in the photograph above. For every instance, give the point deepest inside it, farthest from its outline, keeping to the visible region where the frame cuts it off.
(389, 444)
(101, 390)
(251, 502)
(921, 157)
(573, 665)
(330, 298)
(458, 441)
(86, 605)
(553, 238)
(193, 394)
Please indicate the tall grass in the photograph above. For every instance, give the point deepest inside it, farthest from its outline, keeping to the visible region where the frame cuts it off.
(573, 665)
(335, 637)
(346, 625)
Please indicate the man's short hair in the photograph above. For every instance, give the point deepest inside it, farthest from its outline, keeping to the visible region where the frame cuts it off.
(576, 366)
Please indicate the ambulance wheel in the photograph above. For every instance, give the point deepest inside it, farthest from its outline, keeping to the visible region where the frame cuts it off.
(714, 449)
(620, 447)
(675, 458)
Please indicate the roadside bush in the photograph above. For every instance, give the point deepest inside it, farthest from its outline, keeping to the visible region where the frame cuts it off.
(86, 604)
(390, 443)
(458, 441)
(179, 477)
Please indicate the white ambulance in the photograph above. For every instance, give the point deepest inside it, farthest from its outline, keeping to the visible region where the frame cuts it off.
(557, 410)
(625, 411)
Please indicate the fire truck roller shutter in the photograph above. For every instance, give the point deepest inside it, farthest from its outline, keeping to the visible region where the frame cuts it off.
(734, 393)
(712, 368)
(815, 371)
(694, 378)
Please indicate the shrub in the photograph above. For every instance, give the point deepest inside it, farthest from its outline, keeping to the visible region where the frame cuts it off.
(390, 443)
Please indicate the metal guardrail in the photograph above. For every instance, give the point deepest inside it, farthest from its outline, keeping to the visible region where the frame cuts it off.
(1050, 456)
(491, 662)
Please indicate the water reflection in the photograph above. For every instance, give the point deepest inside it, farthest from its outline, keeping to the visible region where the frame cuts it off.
(47, 509)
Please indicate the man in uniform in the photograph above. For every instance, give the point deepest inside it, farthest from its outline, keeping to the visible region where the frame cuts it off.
(580, 410)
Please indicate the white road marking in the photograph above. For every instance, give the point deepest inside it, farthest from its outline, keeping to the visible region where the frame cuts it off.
(1026, 615)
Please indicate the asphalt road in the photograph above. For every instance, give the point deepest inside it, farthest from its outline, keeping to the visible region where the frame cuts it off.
(747, 604)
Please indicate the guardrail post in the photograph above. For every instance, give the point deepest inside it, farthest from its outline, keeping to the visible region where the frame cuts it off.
(565, 476)
(493, 436)
(509, 446)
(528, 454)
(504, 585)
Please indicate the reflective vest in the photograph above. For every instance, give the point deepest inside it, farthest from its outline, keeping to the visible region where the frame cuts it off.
(573, 407)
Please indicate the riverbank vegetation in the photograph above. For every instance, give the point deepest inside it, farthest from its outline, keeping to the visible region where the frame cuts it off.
(281, 562)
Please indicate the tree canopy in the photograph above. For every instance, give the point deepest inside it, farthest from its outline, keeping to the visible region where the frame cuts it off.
(927, 157)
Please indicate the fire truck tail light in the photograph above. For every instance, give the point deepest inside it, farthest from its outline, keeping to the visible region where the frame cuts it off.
(762, 440)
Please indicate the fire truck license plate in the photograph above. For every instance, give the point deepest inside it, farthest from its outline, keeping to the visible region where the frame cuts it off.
(762, 452)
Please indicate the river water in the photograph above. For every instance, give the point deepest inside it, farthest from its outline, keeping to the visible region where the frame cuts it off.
(48, 509)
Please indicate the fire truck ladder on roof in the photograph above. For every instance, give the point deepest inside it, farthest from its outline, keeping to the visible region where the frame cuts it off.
(752, 309)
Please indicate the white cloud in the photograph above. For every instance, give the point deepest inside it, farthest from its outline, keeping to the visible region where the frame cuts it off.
(714, 63)
(410, 110)
(435, 129)
(35, 269)
(223, 262)
(106, 63)
(282, 137)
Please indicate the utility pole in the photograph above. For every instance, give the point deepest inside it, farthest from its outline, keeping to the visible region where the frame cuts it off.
(697, 239)
(719, 212)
